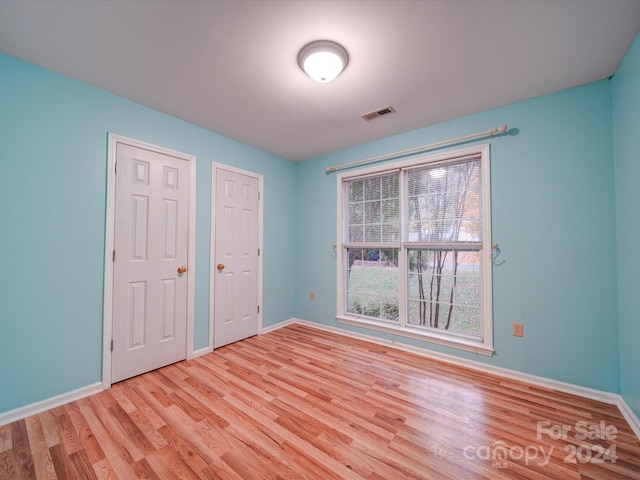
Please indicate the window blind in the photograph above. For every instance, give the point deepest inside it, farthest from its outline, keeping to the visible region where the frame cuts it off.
(444, 203)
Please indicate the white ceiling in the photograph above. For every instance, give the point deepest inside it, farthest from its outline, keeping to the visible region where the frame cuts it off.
(231, 66)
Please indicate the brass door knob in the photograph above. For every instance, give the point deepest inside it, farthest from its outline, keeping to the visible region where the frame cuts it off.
(220, 267)
(182, 269)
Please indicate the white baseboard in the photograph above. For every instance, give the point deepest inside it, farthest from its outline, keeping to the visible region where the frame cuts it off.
(49, 403)
(629, 415)
(271, 328)
(586, 392)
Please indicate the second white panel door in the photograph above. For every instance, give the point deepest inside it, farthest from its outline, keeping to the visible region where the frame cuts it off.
(236, 262)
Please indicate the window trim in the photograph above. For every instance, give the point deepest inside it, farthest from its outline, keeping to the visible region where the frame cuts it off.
(482, 346)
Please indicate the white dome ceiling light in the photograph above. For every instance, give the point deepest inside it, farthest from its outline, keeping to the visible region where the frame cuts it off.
(323, 60)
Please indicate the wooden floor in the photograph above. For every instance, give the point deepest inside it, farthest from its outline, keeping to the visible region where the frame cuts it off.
(300, 403)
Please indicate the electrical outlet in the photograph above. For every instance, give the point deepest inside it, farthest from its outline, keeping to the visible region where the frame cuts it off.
(312, 296)
(517, 329)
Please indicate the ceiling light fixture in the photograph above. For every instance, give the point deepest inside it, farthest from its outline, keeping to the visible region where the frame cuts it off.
(323, 60)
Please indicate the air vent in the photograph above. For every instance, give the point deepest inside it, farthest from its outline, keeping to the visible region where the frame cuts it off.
(378, 113)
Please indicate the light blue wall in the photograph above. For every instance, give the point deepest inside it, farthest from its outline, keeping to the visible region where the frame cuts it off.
(626, 127)
(553, 215)
(53, 163)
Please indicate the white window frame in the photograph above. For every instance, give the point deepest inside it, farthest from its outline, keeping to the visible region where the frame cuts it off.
(482, 346)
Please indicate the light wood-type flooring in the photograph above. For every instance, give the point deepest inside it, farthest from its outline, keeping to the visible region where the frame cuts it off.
(301, 403)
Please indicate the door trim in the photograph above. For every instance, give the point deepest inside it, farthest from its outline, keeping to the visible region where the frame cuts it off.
(113, 140)
(215, 166)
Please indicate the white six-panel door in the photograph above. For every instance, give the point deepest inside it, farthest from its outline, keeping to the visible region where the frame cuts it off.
(151, 252)
(235, 268)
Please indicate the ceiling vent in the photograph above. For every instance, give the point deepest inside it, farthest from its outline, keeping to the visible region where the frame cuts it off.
(378, 113)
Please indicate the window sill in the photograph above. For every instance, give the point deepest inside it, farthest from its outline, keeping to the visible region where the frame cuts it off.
(431, 337)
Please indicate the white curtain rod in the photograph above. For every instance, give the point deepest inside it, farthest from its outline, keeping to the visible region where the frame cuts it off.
(386, 156)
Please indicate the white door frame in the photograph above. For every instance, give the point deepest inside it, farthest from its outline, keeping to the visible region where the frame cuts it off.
(109, 246)
(215, 166)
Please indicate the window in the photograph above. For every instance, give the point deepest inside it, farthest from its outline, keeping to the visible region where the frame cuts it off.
(414, 249)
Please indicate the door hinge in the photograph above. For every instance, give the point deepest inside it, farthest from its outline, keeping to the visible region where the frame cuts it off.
(258, 308)
(112, 345)
(259, 196)
(114, 256)
(258, 252)
(115, 167)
